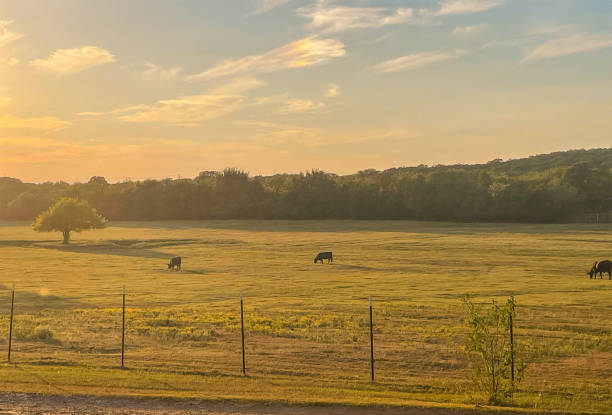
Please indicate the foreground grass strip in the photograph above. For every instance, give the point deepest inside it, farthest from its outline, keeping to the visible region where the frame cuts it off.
(65, 381)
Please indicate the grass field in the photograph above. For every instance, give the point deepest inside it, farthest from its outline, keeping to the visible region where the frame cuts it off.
(307, 325)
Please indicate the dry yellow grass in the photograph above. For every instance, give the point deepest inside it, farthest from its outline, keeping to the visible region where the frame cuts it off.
(307, 332)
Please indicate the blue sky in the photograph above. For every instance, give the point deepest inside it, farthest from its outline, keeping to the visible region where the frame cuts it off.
(151, 88)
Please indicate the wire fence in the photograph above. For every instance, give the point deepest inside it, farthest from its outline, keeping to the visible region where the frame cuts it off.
(380, 341)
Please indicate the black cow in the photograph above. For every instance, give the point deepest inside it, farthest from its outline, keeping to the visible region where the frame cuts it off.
(601, 267)
(175, 262)
(324, 255)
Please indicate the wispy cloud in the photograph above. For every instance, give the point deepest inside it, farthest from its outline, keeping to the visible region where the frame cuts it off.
(334, 19)
(238, 86)
(90, 114)
(301, 106)
(332, 91)
(512, 42)
(287, 104)
(451, 7)
(34, 123)
(6, 35)
(464, 31)
(6, 38)
(569, 45)
(157, 72)
(64, 61)
(553, 30)
(267, 5)
(276, 134)
(308, 51)
(417, 60)
(190, 110)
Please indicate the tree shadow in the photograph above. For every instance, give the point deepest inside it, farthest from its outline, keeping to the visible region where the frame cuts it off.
(141, 248)
(23, 243)
(350, 225)
(193, 271)
(106, 250)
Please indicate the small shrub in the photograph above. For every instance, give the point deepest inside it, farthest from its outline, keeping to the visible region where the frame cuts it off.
(42, 334)
(489, 350)
(36, 334)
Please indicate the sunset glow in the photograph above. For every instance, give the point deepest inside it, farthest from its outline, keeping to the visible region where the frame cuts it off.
(152, 89)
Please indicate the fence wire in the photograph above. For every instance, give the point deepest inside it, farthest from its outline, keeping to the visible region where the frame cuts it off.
(325, 341)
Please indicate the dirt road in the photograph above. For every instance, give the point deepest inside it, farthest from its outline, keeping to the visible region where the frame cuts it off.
(31, 404)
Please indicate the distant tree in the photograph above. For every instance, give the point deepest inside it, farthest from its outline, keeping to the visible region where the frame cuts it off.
(551, 188)
(67, 215)
(97, 180)
(28, 204)
(208, 173)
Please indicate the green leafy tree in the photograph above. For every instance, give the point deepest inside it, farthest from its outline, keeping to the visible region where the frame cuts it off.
(67, 215)
(560, 187)
(490, 351)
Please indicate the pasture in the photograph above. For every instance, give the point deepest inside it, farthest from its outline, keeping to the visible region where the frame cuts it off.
(307, 336)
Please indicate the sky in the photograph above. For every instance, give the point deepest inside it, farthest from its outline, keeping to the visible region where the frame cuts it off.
(137, 89)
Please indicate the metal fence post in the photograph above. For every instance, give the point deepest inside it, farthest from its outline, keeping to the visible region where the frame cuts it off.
(512, 350)
(371, 342)
(10, 339)
(123, 332)
(242, 334)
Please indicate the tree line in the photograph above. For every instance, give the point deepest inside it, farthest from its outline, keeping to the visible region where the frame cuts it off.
(556, 187)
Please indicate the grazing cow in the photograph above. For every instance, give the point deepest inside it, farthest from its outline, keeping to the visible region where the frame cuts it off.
(324, 255)
(175, 262)
(601, 267)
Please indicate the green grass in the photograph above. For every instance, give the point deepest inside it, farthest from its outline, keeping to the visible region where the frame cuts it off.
(306, 324)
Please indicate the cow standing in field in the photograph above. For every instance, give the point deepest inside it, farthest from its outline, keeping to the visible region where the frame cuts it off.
(324, 255)
(175, 262)
(601, 267)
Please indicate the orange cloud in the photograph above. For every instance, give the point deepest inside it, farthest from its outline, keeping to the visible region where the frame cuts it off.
(35, 123)
(7, 36)
(300, 53)
(189, 110)
(64, 61)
